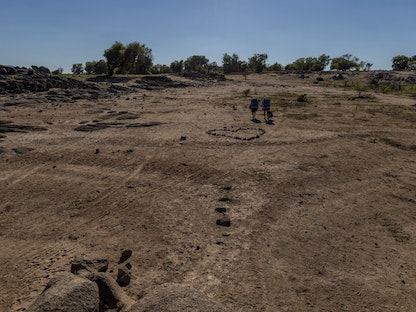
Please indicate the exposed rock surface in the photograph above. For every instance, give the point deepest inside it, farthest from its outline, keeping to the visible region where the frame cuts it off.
(111, 295)
(15, 80)
(69, 293)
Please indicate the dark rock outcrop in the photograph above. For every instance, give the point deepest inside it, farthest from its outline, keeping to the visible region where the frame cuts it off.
(20, 80)
(111, 295)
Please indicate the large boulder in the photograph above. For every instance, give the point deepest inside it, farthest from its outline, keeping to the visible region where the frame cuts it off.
(175, 298)
(68, 293)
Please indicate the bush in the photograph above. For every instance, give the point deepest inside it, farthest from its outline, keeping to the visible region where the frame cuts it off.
(302, 98)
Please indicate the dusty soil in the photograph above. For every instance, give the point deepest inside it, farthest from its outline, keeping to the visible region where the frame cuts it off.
(322, 202)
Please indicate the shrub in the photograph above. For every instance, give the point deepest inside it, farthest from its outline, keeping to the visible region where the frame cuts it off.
(302, 98)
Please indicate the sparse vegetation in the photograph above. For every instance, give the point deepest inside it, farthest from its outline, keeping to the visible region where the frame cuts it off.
(302, 98)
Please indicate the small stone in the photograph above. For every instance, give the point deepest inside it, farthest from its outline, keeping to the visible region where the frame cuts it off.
(123, 276)
(125, 254)
(221, 209)
(225, 221)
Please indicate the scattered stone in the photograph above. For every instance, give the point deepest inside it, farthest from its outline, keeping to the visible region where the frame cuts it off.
(68, 292)
(338, 77)
(224, 221)
(221, 209)
(125, 255)
(124, 275)
(224, 199)
(97, 265)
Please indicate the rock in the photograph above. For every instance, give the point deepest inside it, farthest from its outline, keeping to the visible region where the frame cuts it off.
(69, 293)
(224, 221)
(176, 297)
(7, 70)
(22, 150)
(97, 265)
(221, 209)
(17, 80)
(124, 275)
(338, 77)
(44, 70)
(125, 254)
(111, 295)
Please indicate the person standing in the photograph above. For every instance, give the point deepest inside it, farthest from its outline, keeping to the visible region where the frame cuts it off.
(254, 106)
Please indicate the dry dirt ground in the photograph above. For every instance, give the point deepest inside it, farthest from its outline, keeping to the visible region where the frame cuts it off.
(322, 203)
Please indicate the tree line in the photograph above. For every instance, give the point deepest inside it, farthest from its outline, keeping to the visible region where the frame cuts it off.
(136, 58)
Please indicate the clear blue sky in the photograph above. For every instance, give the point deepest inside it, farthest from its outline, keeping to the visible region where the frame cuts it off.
(58, 33)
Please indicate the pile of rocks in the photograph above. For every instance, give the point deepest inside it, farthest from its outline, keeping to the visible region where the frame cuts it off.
(88, 288)
(16, 80)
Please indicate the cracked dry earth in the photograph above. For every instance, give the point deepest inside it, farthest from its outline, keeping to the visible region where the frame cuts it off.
(322, 202)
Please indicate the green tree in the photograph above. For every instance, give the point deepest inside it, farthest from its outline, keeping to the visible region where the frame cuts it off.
(115, 57)
(232, 64)
(345, 62)
(275, 67)
(160, 69)
(301, 64)
(309, 63)
(138, 59)
(257, 62)
(90, 67)
(101, 68)
(77, 69)
(321, 63)
(400, 62)
(96, 67)
(196, 63)
(177, 66)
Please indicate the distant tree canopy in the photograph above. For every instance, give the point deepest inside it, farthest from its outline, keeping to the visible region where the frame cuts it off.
(257, 63)
(403, 62)
(232, 64)
(135, 58)
(96, 67)
(77, 69)
(346, 62)
(196, 63)
(177, 66)
(310, 63)
(275, 67)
